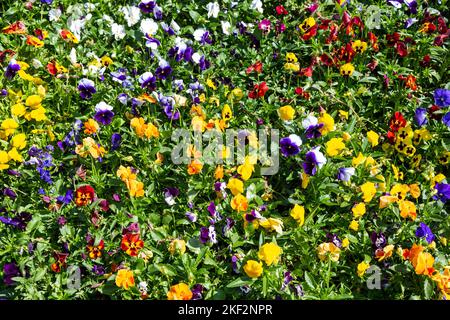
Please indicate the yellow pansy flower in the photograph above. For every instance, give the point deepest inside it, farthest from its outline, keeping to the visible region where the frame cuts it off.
(298, 213)
(359, 210)
(362, 267)
(9, 126)
(368, 189)
(269, 253)
(4, 160)
(19, 141)
(18, 110)
(286, 113)
(334, 146)
(236, 186)
(328, 123)
(253, 269)
(373, 137)
(354, 225)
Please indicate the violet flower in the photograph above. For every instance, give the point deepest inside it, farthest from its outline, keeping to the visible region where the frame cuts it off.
(314, 159)
(86, 88)
(423, 231)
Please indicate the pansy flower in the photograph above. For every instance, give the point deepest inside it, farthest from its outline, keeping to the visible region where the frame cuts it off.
(84, 195)
(95, 248)
(424, 231)
(131, 244)
(442, 98)
(103, 113)
(290, 146)
(86, 88)
(314, 160)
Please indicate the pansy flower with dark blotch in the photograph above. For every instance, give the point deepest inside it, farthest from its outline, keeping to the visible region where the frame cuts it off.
(313, 131)
(103, 113)
(86, 88)
(60, 262)
(290, 146)
(147, 6)
(163, 70)
(148, 81)
(131, 244)
(11, 70)
(197, 291)
(84, 195)
(314, 159)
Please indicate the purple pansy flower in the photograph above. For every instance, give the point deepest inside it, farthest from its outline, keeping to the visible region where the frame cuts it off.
(208, 234)
(86, 88)
(442, 97)
(10, 270)
(446, 119)
(424, 231)
(67, 198)
(290, 146)
(421, 117)
(314, 159)
(147, 80)
(313, 131)
(378, 240)
(103, 113)
(147, 6)
(11, 69)
(116, 140)
(197, 291)
(170, 194)
(163, 70)
(345, 174)
(9, 193)
(443, 192)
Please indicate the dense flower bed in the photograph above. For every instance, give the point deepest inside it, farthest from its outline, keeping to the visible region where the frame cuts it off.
(94, 205)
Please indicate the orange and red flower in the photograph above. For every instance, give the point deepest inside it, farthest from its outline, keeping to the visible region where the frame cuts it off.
(131, 244)
(95, 251)
(17, 27)
(60, 261)
(84, 195)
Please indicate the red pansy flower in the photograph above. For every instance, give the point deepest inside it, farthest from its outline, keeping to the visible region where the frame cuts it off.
(84, 195)
(131, 244)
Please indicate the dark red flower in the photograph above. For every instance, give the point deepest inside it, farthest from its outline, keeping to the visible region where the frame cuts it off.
(60, 261)
(425, 61)
(442, 26)
(401, 48)
(259, 90)
(326, 60)
(281, 10)
(84, 195)
(432, 112)
(397, 121)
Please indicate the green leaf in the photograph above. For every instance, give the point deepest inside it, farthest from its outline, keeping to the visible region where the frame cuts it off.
(239, 282)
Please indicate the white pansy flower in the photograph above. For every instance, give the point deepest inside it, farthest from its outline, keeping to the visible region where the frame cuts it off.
(257, 5)
(226, 27)
(118, 31)
(149, 26)
(54, 14)
(213, 9)
(132, 15)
